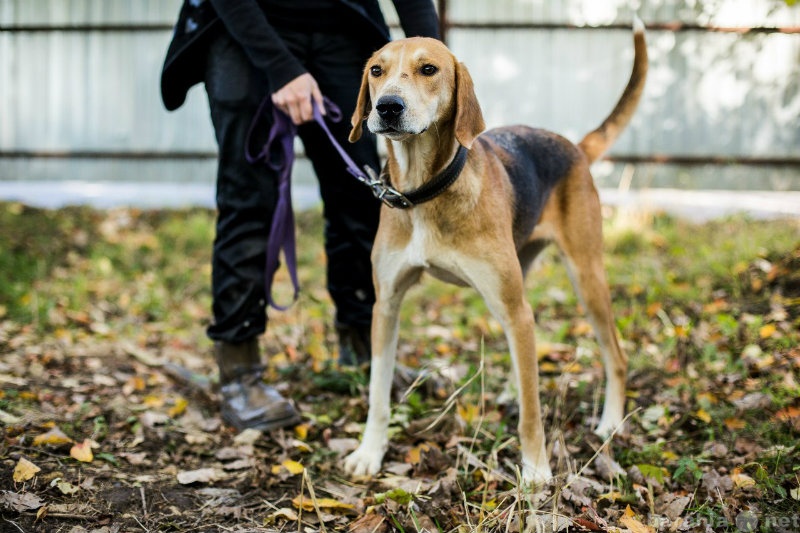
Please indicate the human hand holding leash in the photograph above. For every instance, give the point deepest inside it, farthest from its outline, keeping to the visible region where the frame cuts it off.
(295, 98)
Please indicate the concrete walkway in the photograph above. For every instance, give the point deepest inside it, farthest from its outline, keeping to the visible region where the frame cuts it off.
(694, 205)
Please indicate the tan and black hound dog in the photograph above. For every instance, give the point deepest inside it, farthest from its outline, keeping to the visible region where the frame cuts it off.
(478, 208)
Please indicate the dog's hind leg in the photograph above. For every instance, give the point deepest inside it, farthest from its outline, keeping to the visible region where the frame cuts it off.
(390, 287)
(501, 286)
(581, 245)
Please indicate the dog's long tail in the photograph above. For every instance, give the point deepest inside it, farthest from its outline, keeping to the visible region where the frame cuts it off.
(598, 141)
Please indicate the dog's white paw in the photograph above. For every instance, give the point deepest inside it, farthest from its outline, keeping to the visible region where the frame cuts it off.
(536, 474)
(607, 427)
(364, 461)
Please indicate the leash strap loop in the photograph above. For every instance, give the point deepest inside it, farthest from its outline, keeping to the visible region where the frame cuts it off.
(278, 154)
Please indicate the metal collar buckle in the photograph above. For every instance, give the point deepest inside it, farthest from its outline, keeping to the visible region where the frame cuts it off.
(385, 192)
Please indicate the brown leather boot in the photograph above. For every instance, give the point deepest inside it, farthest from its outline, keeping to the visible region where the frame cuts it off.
(248, 402)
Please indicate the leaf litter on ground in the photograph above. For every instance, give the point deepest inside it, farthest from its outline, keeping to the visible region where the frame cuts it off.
(108, 389)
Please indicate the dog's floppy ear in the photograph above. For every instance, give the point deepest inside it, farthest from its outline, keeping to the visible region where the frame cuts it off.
(469, 118)
(363, 107)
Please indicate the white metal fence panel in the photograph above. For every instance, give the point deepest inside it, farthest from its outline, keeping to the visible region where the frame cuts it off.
(80, 77)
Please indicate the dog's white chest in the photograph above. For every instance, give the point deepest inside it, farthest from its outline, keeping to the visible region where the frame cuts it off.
(427, 250)
(418, 249)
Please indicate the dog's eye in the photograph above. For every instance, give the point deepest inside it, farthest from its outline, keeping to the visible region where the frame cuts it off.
(376, 71)
(429, 70)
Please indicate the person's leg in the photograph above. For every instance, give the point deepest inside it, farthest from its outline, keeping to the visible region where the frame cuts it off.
(246, 199)
(350, 209)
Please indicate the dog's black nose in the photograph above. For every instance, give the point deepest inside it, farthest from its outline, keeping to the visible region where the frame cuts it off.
(390, 106)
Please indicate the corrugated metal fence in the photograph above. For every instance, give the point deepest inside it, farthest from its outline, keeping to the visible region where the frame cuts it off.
(79, 87)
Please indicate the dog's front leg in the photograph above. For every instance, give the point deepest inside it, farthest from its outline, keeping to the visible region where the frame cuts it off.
(366, 459)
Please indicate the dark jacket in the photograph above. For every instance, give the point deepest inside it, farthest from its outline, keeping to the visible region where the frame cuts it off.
(200, 20)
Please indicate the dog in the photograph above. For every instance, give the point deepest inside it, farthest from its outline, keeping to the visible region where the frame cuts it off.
(478, 208)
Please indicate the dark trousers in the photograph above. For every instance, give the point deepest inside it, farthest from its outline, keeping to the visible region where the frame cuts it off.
(247, 193)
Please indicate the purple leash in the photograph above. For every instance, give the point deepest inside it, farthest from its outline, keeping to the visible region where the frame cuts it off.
(278, 154)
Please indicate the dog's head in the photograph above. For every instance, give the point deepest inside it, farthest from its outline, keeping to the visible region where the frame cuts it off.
(411, 85)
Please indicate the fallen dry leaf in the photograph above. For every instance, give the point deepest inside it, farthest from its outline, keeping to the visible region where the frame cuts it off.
(342, 446)
(369, 523)
(248, 436)
(25, 470)
(179, 408)
(414, 454)
(203, 475)
(293, 467)
(629, 520)
(285, 513)
(54, 437)
(301, 431)
(82, 452)
(20, 503)
(703, 415)
(742, 480)
(307, 504)
(65, 487)
(9, 419)
(734, 424)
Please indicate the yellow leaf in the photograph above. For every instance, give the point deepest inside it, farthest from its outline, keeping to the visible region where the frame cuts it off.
(653, 309)
(735, 423)
(302, 446)
(82, 452)
(707, 397)
(135, 383)
(635, 526)
(765, 362)
(546, 367)
(443, 349)
(301, 431)
(153, 401)
(582, 328)
(414, 455)
(767, 330)
(669, 456)
(293, 467)
(703, 415)
(468, 413)
(24, 470)
(54, 437)
(613, 496)
(742, 480)
(323, 503)
(179, 408)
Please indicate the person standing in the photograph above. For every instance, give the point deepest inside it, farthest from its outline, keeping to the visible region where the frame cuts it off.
(294, 52)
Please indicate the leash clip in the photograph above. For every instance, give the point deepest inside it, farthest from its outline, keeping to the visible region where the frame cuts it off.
(385, 192)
